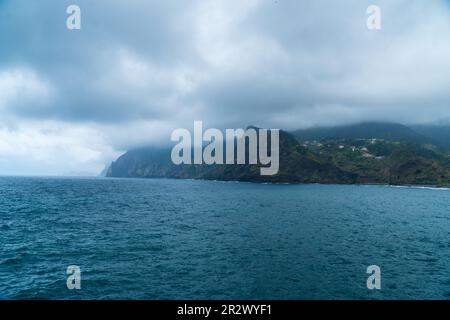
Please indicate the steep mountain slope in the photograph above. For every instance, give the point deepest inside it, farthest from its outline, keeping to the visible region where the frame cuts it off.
(351, 154)
(296, 165)
(387, 162)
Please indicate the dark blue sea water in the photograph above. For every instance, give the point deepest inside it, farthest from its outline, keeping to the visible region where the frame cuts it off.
(183, 239)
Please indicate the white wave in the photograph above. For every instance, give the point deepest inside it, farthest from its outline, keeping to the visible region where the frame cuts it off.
(422, 187)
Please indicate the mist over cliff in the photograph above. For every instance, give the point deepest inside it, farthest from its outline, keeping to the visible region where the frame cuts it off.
(386, 153)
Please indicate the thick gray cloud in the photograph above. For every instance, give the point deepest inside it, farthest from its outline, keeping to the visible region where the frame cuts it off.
(138, 69)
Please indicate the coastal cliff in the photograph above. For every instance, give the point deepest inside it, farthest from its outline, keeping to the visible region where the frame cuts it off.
(400, 157)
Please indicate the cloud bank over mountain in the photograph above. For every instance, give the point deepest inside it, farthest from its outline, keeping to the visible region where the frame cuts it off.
(73, 100)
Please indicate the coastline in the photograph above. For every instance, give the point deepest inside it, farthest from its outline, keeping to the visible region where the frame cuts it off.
(416, 186)
(413, 186)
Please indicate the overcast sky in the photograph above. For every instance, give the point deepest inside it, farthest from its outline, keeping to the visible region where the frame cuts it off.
(72, 101)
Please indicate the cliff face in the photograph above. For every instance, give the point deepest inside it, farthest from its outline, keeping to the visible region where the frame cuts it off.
(296, 165)
(329, 160)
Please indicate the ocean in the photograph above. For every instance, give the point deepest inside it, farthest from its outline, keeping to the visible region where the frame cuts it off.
(188, 239)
